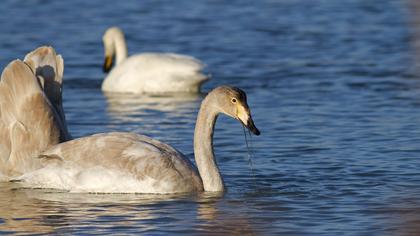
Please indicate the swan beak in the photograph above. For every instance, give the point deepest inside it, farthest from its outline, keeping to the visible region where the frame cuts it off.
(244, 116)
(107, 64)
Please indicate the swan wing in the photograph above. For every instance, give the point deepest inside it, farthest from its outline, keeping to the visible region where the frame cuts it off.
(28, 122)
(155, 73)
(49, 68)
(115, 162)
(176, 60)
(179, 66)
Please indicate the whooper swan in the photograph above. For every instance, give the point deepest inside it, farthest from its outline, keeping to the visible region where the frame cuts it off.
(131, 163)
(148, 72)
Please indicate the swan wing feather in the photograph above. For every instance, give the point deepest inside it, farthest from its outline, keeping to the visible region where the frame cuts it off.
(28, 123)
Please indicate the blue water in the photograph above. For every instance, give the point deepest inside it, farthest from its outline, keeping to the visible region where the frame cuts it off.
(332, 85)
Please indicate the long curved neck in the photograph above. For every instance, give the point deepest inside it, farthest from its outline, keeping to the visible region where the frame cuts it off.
(203, 147)
(120, 49)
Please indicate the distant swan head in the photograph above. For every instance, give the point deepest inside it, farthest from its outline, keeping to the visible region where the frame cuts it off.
(232, 102)
(114, 43)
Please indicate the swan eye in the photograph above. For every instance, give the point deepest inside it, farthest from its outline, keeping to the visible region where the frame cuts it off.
(233, 100)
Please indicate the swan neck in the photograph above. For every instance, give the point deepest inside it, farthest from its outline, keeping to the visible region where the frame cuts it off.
(203, 147)
(120, 49)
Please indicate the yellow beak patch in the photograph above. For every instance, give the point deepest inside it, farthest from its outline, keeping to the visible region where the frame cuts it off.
(242, 114)
(107, 64)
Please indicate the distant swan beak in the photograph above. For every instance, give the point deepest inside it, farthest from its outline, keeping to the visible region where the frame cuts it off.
(107, 64)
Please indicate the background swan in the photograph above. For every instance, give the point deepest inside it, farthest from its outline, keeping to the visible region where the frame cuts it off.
(148, 72)
(31, 114)
(127, 162)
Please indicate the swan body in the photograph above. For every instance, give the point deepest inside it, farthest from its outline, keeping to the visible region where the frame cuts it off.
(148, 72)
(31, 114)
(132, 163)
(115, 162)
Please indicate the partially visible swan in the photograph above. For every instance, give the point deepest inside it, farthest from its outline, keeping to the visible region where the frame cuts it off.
(131, 163)
(148, 72)
(31, 113)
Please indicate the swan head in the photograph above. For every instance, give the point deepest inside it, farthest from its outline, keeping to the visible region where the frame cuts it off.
(109, 39)
(232, 102)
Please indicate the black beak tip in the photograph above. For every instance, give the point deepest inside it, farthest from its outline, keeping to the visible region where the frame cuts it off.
(251, 126)
(256, 131)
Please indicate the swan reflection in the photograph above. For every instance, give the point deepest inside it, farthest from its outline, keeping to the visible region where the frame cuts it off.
(222, 217)
(133, 108)
(50, 211)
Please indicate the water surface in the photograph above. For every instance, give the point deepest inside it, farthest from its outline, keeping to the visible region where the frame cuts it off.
(333, 87)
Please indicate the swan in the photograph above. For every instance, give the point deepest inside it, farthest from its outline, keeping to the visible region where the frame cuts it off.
(148, 72)
(120, 162)
(31, 112)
